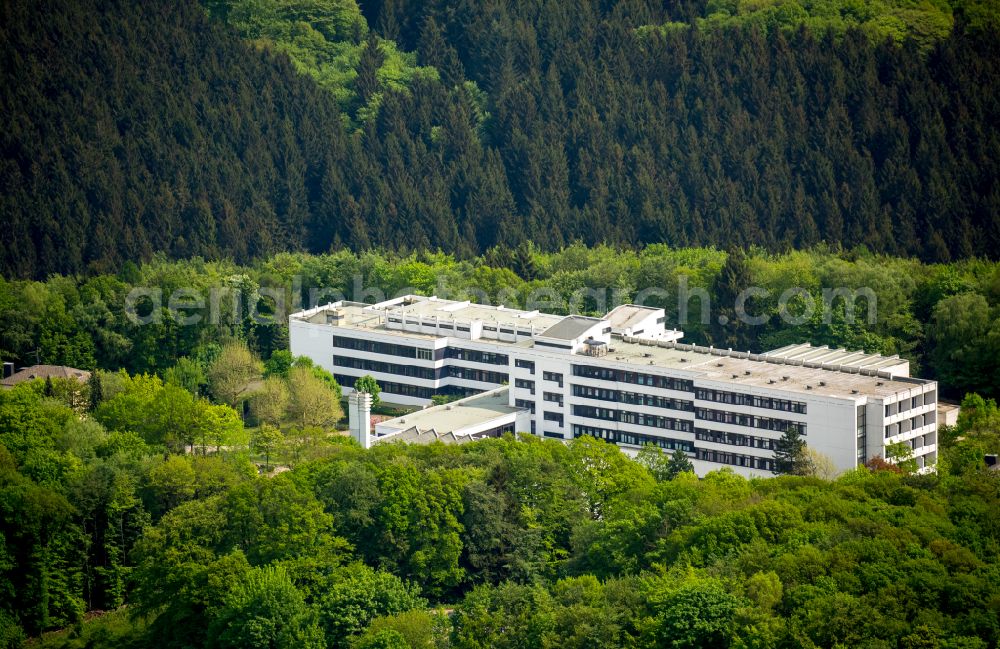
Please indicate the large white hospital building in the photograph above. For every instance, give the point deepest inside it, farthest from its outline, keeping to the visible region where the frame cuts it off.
(624, 378)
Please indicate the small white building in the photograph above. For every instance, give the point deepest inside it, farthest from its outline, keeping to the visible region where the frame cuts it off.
(625, 378)
(483, 415)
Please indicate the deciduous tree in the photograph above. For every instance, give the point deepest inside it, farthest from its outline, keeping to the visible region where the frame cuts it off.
(369, 385)
(270, 403)
(312, 402)
(232, 373)
(265, 439)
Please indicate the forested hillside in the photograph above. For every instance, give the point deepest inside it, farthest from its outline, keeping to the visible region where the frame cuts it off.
(131, 128)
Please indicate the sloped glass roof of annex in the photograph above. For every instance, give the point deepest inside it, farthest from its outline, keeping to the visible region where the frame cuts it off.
(571, 327)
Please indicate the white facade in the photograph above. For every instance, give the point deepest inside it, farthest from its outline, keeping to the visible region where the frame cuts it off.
(590, 376)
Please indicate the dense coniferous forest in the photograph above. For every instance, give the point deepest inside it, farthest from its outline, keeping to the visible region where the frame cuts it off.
(132, 128)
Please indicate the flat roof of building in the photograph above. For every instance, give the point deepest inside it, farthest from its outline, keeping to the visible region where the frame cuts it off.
(810, 370)
(756, 370)
(457, 415)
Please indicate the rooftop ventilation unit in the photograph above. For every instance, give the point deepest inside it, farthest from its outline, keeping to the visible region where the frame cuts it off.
(747, 373)
(809, 387)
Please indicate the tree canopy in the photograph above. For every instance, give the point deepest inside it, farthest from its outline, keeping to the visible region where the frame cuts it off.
(530, 542)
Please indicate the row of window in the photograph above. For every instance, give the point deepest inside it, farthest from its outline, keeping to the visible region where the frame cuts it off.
(904, 405)
(528, 365)
(907, 425)
(733, 439)
(632, 398)
(476, 356)
(553, 416)
(450, 326)
(862, 434)
(387, 349)
(427, 373)
(506, 330)
(629, 417)
(457, 391)
(472, 374)
(632, 439)
(554, 397)
(750, 421)
(735, 459)
(555, 377)
(407, 390)
(389, 387)
(756, 401)
(622, 376)
(525, 384)
(368, 365)
(406, 351)
(499, 431)
(525, 403)
(708, 455)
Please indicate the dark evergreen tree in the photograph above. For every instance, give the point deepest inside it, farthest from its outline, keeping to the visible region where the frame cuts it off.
(790, 455)
(678, 464)
(499, 257)
(371, 60)
(434, 50)
(523, 262)
(731, 308)
(96, 389)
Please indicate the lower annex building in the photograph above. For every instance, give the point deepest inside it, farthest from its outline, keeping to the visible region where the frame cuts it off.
(627, 379)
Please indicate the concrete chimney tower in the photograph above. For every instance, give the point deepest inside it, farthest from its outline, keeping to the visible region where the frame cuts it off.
(360, 417)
